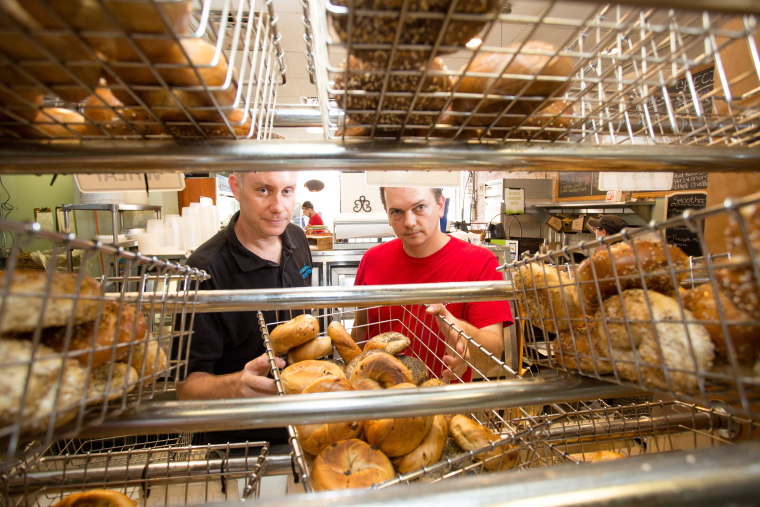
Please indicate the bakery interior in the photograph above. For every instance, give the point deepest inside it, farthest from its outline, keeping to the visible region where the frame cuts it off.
(121, 120)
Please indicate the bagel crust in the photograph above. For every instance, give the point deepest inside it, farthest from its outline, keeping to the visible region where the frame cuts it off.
(390, 342)
(350, 464)
(470, 435)
(96, 497)
(430, 449)
(382, 369)
(316, 437)
(297, 377)
(312, 349)
(293, 333)
(400, 436)
(346, 346)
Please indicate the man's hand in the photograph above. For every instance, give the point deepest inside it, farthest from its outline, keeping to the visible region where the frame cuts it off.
(456, 346)
(253, 378)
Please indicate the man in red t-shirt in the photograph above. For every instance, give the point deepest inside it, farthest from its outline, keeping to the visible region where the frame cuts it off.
(422, 253)
(307, 208)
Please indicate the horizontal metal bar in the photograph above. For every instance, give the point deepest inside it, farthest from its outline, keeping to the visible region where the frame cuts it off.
(601, 429)
(273, 412)
(732, 6)
(715, 476)
(179, 471)
(163, 156)
(331, 297)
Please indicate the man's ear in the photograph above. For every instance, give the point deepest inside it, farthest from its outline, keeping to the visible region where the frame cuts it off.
(233, 181)
(441, 206)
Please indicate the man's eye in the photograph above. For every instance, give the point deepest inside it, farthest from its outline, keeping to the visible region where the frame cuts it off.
(287, 191)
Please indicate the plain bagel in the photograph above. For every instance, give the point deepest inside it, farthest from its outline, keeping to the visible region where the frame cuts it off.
(398, 436)
(315, 437)
(293, 333)
(312, 349)
(342, 341)
(379, 371)
(350, 464)
(297, 377)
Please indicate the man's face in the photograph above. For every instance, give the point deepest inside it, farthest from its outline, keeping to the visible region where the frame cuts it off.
(598, 232)
(414, 214)
(267, 201)
(307, 212)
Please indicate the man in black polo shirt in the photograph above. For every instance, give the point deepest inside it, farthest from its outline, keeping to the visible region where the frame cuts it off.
(259, 249)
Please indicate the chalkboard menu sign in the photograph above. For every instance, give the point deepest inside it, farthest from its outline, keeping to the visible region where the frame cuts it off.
(578, 184)
(680, 94)
(681, 236)
(689, 181)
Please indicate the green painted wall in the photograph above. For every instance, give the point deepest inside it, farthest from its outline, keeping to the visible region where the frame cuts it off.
(26, 192)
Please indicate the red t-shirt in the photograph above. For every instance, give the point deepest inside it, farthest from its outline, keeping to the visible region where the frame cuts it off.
(315, 219)
(457, 261)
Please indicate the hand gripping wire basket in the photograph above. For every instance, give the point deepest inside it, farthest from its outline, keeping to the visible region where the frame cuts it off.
(507, 426)
(638, 310)
(77, 347)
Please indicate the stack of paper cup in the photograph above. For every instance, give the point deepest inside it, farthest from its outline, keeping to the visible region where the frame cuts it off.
(172, 232)
(149, 243)
(191, 236)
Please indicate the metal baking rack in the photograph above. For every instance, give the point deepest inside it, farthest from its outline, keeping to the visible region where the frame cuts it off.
(153, 470)
(582, 346)
(640, 75)
(511, 425)
(54, 388)
(178, 99)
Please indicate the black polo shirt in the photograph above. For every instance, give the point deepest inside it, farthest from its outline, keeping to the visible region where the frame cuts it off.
(224, 342)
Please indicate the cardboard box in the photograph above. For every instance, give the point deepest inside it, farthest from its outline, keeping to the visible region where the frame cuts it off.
(320, 242)
(555, 223)
(578, 224)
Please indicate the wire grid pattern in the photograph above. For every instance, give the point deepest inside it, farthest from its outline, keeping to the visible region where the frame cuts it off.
(637, 75)
(151, 470)
(228, 92)
(54, 385)
(513, 425)
(630, 337)
(641, 428)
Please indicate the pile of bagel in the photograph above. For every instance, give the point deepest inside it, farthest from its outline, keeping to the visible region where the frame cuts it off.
(122, 68)
(359, 454)
(516, 92)
(62, 344)
(624, 311)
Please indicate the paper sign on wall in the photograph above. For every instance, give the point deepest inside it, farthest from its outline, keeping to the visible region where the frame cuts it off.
(514, 201)
(123, 182)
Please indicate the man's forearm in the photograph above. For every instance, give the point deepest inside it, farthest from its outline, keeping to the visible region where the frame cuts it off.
(205, 386)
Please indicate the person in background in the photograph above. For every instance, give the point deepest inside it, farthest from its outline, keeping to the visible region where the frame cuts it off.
(607, 225)
(259, 249)
(422, 253)
(307, 208)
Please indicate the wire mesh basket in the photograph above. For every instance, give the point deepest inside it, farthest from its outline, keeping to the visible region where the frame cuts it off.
(638, 311)
(506, 426)
(77, 347)
(139, 69)
(542, 71)
(150, 470)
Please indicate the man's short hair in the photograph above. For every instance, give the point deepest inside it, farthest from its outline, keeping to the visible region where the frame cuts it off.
(437, 194)
(610, 223)
(307, 204)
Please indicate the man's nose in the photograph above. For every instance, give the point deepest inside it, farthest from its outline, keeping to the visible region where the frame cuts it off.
(278, 203)
(409, 218)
